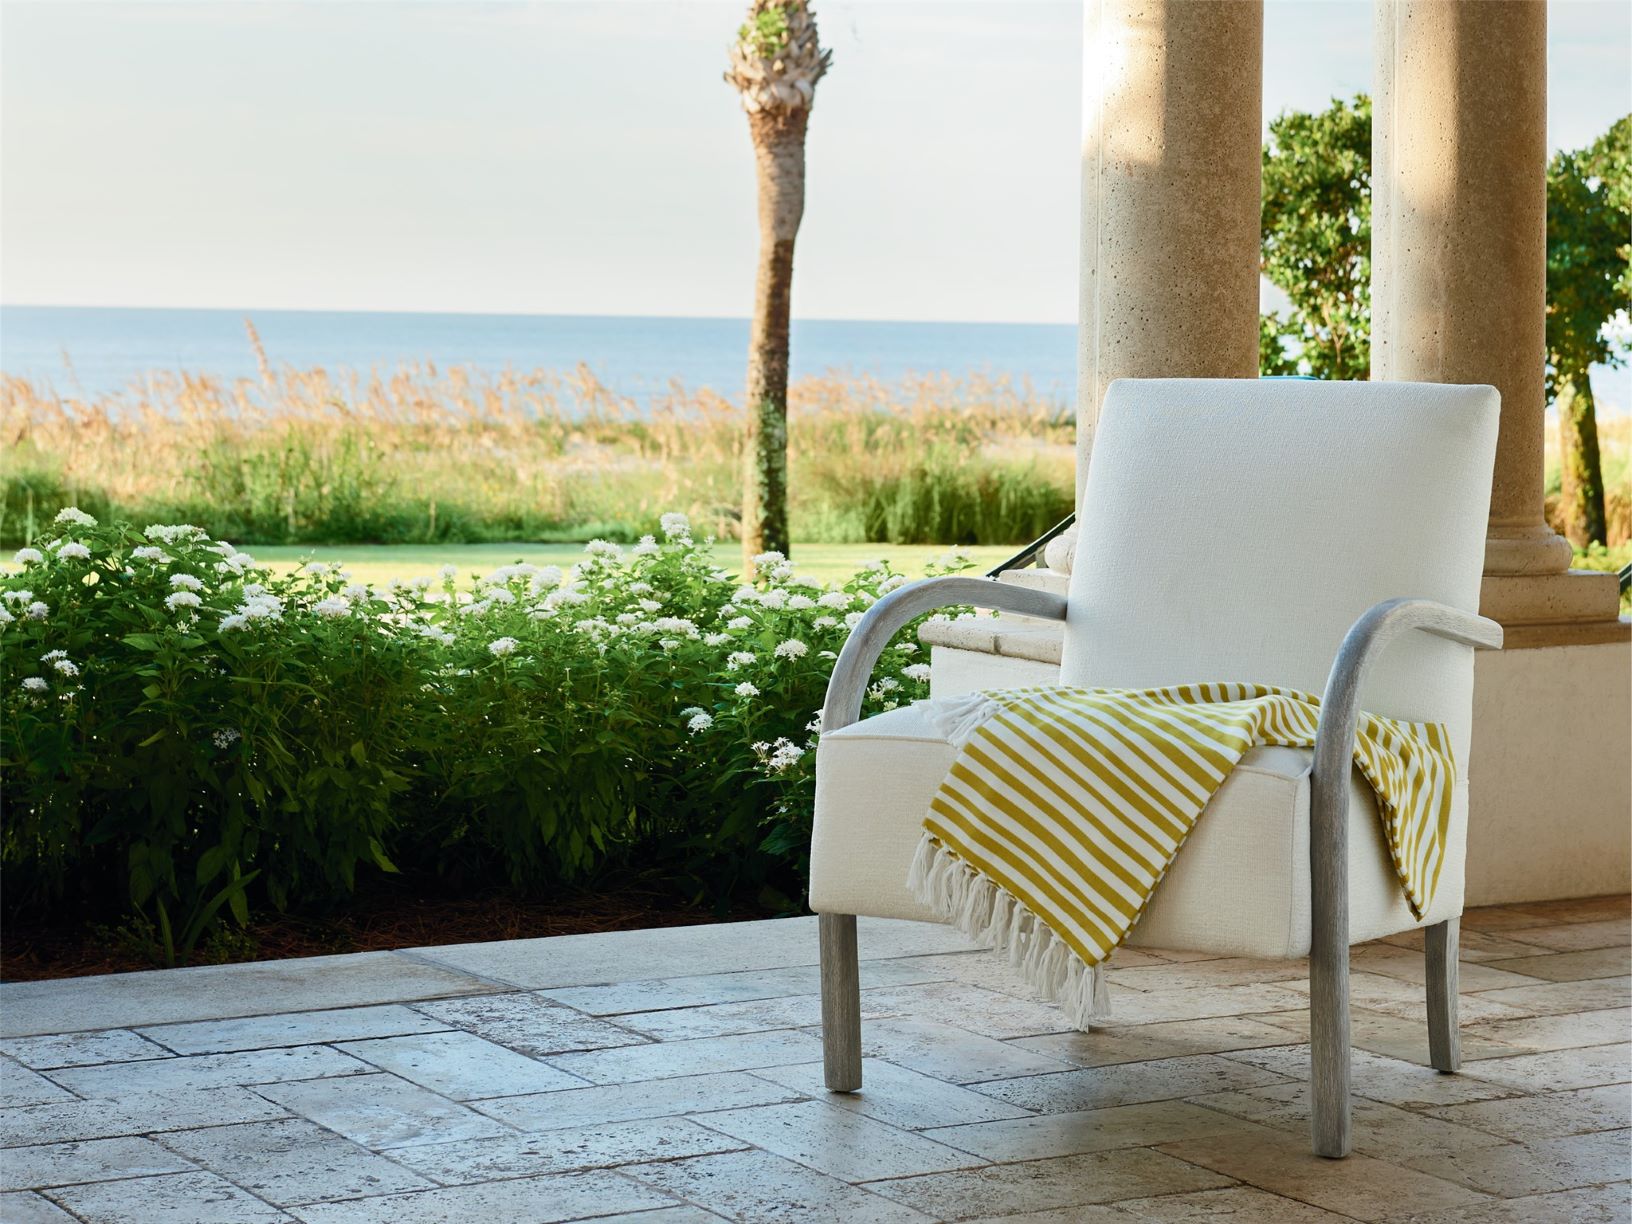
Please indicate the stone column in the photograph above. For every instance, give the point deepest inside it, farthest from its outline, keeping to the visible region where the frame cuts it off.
(1171, 196)
(1459, 270)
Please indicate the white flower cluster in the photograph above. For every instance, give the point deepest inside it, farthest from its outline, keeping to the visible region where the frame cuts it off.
(73, 516)
(779, 756)
(257, 605)
(675, 526)
(28, 556)
(226, 737)
(793, 648)
(185, 582)
(500, 647)
(174, 533)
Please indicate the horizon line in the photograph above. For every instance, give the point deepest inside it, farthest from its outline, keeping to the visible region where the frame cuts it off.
(528, 314)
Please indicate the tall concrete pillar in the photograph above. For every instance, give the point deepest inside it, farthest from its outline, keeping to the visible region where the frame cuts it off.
(1171, 195)
(1459, 270)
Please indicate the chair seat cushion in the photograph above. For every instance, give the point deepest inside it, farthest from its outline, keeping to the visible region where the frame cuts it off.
(1239, 886)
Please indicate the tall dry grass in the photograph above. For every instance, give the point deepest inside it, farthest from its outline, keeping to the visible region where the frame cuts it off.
(423, 453)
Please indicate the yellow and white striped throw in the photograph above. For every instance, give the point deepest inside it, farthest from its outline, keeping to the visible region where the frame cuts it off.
(1065, 807)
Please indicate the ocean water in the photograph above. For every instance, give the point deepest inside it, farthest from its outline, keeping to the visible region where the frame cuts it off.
(95, 350)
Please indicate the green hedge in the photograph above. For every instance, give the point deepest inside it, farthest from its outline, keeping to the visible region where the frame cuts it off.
(188, 736)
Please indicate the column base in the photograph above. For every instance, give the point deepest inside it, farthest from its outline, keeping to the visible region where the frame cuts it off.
(1575, 608)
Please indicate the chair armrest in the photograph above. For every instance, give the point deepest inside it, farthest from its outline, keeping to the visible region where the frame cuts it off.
(886, 617)
(1340, 703)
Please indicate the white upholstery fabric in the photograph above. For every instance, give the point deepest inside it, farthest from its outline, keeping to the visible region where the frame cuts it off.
(1234, 530)
(1240, 885)
(1231, 530)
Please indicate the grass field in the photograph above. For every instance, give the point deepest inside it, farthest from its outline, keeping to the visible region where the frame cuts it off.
(377, 563)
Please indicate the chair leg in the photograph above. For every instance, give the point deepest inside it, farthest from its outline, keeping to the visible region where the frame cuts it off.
(841, 1002)
(1441, 943)
(1329, 1049)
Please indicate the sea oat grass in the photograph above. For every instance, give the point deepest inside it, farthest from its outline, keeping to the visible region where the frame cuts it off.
(424, 454)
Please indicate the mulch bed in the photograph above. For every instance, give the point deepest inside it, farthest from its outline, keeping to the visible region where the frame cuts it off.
(389, 918)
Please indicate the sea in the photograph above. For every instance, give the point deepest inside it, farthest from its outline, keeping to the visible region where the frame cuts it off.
(95, 351)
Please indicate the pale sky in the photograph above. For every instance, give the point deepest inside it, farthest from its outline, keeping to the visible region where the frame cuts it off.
(586, 158)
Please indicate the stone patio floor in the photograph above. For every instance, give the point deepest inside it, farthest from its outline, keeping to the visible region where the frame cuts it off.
(673, 1075)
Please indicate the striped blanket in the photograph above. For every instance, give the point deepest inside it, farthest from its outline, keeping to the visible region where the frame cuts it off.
(1064, 808)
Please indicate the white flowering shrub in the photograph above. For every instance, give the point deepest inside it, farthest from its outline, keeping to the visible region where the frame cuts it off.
(190, 734)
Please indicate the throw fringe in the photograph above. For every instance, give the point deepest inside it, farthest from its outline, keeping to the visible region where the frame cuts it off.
(996, 919)
(958, 718)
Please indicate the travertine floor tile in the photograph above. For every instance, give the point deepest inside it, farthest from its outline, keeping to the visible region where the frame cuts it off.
(1410, 966)
(1392, 1036)
(702, 1056)
(704, 989)
(947, 1052)
(563, 1151)
(1576, 936)
(1105, 1046)
(67, 1164)
(1384, 1131)
(1552, 998)
(839, 1142)
(1505, 918)
(381, 1111)
(1093, 1130)
(460, 1065)
(725, 1019)
(1130, 1007)
(1570, 966)
(1225, 971)
(1558, 1069)
(134, 1115)
(760, 1188)
(896, 1095)
(81, 1049)
(1129, 1083)
(659, 1098)
(293, 1161)
(1547, 1116)
(1393, 997)
(26, 1207)
(1536, 1033)
(1044, 1185)
(20, 1086)
(1539, 1167)
(1471, 945)
(529, 1024)
(290, 1029)
(531, 1200)
(1242, 1204)
(176, 1198)
(213, 992)
(1390, 1080)
(621, 1098)
(201, 1071)
(1579, 909)
(1358, 1186)
(976, 1008)
(1597, 1205)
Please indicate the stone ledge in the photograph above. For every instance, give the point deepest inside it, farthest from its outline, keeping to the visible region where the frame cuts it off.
(1014, 638)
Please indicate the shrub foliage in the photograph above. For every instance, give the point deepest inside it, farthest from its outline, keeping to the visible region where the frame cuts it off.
(188, 735)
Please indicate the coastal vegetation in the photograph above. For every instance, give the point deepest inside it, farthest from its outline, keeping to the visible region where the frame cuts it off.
(191, 738)
(426, 454)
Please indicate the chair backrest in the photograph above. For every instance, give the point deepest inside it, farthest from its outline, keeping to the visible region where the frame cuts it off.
(1234, 529)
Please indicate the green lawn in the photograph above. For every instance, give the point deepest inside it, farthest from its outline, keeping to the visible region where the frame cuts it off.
(382, 562)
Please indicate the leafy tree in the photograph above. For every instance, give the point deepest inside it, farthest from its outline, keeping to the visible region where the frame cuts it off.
(1589, 214)
(776, 60)
(1317, 241)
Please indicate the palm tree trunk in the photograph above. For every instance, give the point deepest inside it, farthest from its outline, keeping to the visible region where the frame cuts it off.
(1581, 478)
(779, 150)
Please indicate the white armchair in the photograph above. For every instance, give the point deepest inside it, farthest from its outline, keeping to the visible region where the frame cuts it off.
(1280, 533)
